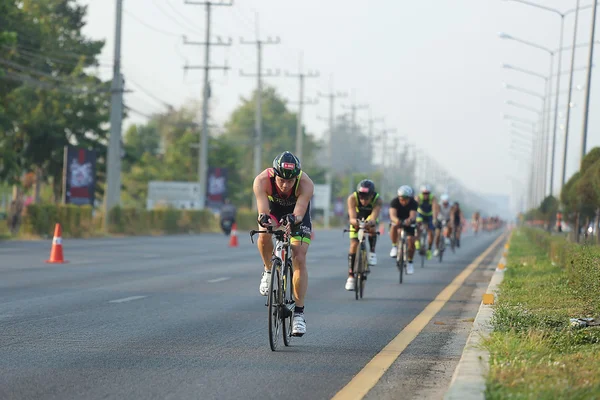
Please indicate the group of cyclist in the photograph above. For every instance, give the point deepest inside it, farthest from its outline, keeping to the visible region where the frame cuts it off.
(406, 212)
(283, 193)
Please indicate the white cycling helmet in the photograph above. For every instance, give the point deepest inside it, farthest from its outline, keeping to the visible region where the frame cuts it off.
(444, 198)
(426, 188)
(405, 191)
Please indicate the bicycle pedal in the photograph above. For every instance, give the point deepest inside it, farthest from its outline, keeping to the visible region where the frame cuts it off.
(297, 334)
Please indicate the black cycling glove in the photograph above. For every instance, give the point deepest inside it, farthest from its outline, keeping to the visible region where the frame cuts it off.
(289, 219)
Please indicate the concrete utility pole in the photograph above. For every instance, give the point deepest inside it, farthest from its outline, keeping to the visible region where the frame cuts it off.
(384, 152)
(112, 197)
(259, 75)
(203, 150)
(371, 122)
(566, 144)
(301, 102)
(332, 95)
(586, 107)
(353, 126)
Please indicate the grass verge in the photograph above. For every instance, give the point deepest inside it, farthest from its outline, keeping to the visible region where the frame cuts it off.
(534, 351)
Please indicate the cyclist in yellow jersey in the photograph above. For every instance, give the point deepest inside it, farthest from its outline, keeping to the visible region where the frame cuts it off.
(363, 203)
(426, 213)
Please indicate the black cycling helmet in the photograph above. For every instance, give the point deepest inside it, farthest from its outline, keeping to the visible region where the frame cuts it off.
(286, 165)
(365, 188)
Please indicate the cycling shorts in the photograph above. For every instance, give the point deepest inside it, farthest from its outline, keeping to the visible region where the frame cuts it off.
(427, 219)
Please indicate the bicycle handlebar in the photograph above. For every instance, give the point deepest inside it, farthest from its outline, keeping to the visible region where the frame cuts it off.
(279, 233)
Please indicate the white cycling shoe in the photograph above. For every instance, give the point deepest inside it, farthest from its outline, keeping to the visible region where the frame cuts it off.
(265, 282)
(350, 283)
(298, 325)
(410, 269)
(372, 259)
(394, 252)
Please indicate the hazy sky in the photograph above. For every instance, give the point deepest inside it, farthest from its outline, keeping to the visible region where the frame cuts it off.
(431, 68)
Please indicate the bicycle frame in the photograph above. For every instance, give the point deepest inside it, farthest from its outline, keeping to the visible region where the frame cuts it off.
(359, 286)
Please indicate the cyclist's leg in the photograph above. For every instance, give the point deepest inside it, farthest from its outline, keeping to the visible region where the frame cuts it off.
(265, 248)
(300, 242)
(431, 229)
(438, 233)
(394, 238)
(373, 236)
(351, 258)
(410, 241)
(419, 230)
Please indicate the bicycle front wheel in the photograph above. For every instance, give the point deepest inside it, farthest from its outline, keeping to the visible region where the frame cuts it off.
(288, 299)
(274, 302)
(400, 260)
(358, 271)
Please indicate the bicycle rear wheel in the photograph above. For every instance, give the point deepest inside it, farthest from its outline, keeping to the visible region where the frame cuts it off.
(361, 285)
(289, 304)
(400, 260)
(358, 271)
(274, 302)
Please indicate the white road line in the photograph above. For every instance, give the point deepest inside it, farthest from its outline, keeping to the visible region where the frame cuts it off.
(218, 280)
(127, 299)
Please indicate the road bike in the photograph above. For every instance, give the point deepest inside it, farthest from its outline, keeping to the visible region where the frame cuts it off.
(402, 255)
(423, 242)
(360, 267)
(280, 299)
(442, 240)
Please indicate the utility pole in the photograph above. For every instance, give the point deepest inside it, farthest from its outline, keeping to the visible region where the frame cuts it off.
(301, 102)
(384, 153)
(354, 107)
(566, 144)
(203, 145)
(371, 122)
(112, 196)
(588, 85)
(259, 75)
(329, 173)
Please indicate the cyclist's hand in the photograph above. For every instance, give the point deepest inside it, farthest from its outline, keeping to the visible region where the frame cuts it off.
(370, 223)
(354, 222)
(289, 219)
(265, 220)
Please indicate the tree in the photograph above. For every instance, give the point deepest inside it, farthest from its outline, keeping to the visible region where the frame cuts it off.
(278, 134)
(54, 102)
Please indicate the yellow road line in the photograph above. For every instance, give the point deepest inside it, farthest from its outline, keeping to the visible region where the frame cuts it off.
(364, 381)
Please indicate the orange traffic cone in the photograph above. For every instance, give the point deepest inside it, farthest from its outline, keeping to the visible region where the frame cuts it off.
(56, 253)
(233, 240)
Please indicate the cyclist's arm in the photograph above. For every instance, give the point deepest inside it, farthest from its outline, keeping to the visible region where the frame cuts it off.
(352, 210)
(436, 209)
(376, 210)
(394, 216)
(307, 189)
(262, 200)
(413, 215)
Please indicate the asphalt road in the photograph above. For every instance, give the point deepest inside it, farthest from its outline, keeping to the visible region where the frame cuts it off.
(180, 317)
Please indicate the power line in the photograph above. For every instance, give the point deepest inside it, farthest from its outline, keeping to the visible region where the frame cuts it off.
(301, 75)
(203, 145)
(152, 27)
(259, 75)
(149, 94)
(332, 95)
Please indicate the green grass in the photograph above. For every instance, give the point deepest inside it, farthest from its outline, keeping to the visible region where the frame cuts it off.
(534, 352)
